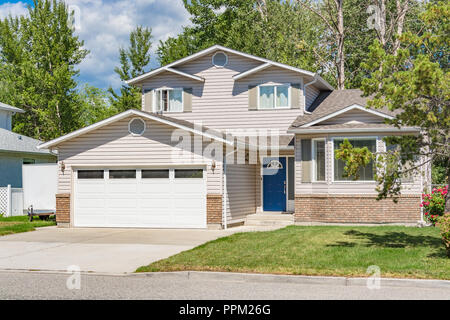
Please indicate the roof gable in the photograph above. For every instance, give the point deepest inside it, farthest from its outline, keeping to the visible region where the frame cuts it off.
(333, 103)
(264, 62)
(180, 124)
(348, 110)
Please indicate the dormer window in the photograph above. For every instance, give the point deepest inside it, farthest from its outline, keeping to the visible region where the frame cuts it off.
(169, 100)
(274, 96)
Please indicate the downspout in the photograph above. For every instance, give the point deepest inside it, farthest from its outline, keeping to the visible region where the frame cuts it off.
(225, 193)
(304, 93)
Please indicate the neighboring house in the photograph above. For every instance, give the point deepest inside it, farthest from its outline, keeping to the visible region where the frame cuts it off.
(16, 149)
(142, 169)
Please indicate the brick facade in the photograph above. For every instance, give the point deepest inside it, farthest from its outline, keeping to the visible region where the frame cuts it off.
(214, 208)
(356, 209)
(63, 208)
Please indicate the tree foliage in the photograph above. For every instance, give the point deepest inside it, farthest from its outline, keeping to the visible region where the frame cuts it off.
(133, 61)
(39, 54)
(414, 83)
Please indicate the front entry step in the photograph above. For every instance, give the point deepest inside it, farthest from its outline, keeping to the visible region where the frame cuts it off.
(270, 219)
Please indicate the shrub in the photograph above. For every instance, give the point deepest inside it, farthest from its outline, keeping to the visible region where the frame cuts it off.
(434, 204)
(444, 225)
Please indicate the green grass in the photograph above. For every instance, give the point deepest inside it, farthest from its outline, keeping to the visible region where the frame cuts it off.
(21, 224)
(404, 252)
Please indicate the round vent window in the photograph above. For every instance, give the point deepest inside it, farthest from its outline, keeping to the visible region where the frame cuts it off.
(136, 127)
(220, 59)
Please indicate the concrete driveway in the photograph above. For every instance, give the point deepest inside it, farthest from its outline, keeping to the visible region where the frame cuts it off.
(99, 250)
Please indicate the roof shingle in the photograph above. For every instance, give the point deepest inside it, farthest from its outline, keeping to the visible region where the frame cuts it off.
(328, 102)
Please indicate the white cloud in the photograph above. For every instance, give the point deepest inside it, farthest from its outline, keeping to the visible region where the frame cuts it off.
(14, 9)
(105, 26)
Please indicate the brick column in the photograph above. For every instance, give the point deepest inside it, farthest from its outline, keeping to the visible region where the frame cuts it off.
(214, 209)
(63, 209)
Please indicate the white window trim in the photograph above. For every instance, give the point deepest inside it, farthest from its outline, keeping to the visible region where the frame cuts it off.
(167, 88)
(226, 59)
(333, 158)
(275, 95)
(314, 160)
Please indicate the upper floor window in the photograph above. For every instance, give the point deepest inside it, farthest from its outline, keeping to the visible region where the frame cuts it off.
(169, 100)
(365, 173)
(274, 96)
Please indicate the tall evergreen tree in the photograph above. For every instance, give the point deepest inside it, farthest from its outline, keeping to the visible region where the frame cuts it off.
(133, 61)
(38, 58)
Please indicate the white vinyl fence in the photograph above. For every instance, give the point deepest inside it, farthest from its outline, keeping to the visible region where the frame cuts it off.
(11, 201)
(5, 201)
(39, 189)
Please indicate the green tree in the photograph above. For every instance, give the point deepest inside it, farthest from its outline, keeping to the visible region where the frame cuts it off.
(257, 27)
(39, 54)
(94, 104)
(413, 82)
(133, 61)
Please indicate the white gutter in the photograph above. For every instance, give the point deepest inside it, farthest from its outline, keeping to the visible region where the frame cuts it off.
(304, 93)
(352, 130)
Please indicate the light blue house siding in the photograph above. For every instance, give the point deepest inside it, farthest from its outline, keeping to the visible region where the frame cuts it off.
(15, 149)
(11, 167)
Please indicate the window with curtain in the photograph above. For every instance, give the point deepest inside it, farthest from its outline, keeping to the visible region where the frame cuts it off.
(319, 160)
(271, 97)
(366, 173)
(169, 100)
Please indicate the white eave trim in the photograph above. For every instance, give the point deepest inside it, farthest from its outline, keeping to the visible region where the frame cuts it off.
(159, 70)
(218, 47)
(252, 71)
(349, 108)
(353, 130)
(6, 107)
(124, 115)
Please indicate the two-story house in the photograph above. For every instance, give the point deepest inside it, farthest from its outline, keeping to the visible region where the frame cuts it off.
(17, 149)
(223, 135)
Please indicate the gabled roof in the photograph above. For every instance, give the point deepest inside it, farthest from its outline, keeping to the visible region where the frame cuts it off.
(180, 124)
(13, 142)
(329, 104)
(266, 63)
(10, 108)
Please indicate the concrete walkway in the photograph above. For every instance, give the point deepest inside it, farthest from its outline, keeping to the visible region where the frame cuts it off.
(100, 250)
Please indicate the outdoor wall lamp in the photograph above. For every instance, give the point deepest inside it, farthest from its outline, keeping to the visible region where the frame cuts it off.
(63, 167)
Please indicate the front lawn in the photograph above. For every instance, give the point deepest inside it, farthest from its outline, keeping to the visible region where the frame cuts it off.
(405, 252)
(21, 224)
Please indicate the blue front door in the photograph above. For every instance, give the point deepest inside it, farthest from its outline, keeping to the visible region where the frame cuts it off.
(274, 184)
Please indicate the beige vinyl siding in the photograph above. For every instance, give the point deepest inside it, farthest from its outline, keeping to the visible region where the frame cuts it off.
(354, 116)
(348, 187)
(242, 191)
(221, 103)
(113, 146)
(311, 94)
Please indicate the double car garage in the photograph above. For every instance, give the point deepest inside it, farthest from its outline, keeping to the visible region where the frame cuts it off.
(140, 198)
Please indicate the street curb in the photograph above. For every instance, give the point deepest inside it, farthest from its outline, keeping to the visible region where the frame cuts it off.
(296, 279)
(261, 278)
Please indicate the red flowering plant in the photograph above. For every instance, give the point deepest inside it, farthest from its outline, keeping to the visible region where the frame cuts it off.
(433, 204)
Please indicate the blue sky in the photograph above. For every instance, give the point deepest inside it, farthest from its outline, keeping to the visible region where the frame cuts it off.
(105, 25)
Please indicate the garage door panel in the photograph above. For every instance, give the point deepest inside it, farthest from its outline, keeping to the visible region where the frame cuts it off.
(125, 188)
(146, 203)
(90, 188)
(88, 203)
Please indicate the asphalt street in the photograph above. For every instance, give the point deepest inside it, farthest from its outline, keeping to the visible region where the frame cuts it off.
(54, 286)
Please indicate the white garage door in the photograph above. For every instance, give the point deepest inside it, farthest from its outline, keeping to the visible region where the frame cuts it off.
(140, 198)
